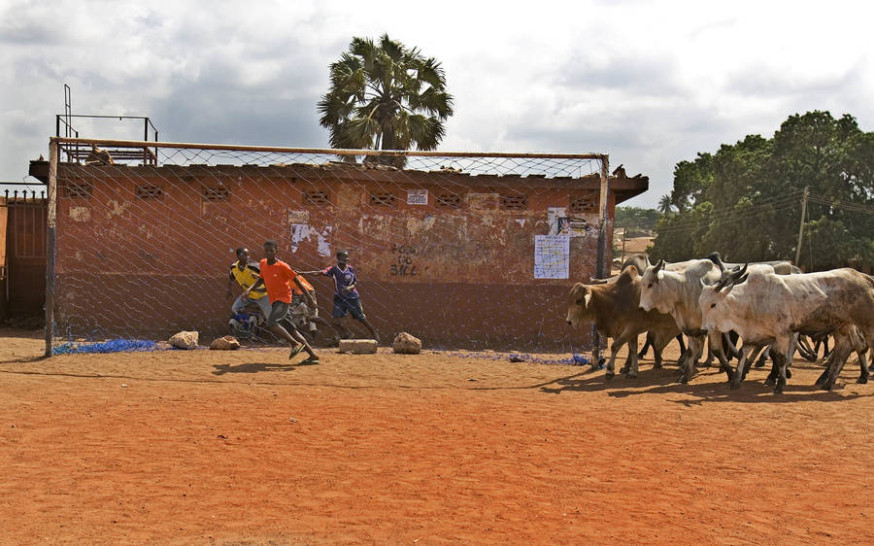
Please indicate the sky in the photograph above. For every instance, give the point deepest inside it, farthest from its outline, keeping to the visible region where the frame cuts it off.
(651, 83)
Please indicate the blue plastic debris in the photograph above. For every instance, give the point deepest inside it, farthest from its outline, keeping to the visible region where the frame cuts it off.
(111, 346)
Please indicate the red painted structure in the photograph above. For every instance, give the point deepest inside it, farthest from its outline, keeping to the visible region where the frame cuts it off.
(143, 251)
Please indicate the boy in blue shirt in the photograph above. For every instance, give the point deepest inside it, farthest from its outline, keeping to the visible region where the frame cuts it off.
(346, 297)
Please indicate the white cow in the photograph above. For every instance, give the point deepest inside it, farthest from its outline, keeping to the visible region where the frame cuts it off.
(676, 293)
(765, 308)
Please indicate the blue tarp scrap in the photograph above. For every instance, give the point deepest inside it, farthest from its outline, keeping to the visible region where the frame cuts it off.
(111, 346)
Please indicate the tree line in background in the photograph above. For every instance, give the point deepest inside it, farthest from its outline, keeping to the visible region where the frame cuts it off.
(745, 201)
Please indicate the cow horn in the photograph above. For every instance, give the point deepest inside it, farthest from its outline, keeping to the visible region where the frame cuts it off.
(738, 273)
(737, 276)
(714, 257)
(659, 265)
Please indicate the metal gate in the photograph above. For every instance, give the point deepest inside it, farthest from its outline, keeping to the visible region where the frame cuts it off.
(25, 253)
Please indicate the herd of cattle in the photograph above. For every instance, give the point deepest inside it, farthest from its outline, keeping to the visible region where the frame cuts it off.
(769, 306)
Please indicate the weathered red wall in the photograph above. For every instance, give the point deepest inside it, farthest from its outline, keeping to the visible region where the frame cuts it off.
(453, 277)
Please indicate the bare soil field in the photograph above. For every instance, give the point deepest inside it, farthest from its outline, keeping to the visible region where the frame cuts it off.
(194, 447)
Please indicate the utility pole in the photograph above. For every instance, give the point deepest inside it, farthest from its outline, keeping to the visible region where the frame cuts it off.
(801, 227)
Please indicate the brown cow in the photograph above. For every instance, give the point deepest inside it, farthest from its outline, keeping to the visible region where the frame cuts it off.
(614, 307)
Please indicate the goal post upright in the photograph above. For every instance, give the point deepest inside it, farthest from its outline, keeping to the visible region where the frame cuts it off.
(51, 241)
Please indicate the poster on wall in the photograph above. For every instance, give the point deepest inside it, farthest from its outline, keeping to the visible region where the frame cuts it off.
(417, 197)
(552, 256)
(562, 224)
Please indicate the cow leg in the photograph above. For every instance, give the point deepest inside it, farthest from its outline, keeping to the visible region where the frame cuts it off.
(690, 358)
(760, 362)
(863, 368)
(625, 337)
(685, 358)
(611, 370)
(771, 380)
(823, 377)
(729, 341)
(805, 350)
(838, 356)
(680, 341)
(739, 372)
(709, 360)
(716, 341)
(597, 360)
(632, 353)
(646, 346)
(780, 360)
(758, 353)
(844, 346)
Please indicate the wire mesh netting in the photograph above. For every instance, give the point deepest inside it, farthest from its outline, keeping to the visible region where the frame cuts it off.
(460, 250)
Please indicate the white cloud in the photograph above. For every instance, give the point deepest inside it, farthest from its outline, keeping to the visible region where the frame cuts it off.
(651, 83)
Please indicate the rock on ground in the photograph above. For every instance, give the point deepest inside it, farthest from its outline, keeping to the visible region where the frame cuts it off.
(184, 340)
(405, 343)
(226, 343)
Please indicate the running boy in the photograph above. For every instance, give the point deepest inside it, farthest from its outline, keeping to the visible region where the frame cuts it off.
(277, 276)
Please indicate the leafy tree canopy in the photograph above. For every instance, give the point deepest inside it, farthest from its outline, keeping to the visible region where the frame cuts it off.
(745, 200)
(385, 96)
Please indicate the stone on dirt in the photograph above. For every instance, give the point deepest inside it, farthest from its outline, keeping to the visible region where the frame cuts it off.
(407, 344)
(226, 343)
(359, 346)
(184, 340)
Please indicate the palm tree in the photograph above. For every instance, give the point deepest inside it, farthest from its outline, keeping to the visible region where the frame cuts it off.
(665, 205)
(385, 97)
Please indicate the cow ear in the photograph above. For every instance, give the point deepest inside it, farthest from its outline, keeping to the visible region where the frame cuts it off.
(659, 265)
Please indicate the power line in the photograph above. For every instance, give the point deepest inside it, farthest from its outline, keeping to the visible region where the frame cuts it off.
(771, 204)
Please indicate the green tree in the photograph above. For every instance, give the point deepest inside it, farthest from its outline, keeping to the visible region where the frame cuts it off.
(745, 200)
(665, 205)
(691, 181)
(636, 221)
(385, 96)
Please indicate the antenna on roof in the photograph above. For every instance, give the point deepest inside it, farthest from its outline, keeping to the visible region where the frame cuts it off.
(68, 110)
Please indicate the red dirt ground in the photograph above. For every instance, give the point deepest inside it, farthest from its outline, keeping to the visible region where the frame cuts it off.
(242, 448)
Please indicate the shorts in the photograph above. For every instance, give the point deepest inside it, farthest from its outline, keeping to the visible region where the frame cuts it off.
(277, 313)
(242, 301)
(351, 305)
(300, 307)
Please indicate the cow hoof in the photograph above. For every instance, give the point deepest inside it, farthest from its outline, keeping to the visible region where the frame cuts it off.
(683, 379)
(770, 382)
(657, 366)
(631, 376)
(862, 381)
(624, 369)
(609, 375)
(780, 384)
(735, 385)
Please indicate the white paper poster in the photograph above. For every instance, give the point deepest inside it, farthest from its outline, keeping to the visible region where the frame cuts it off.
(552, 256)
(417, 197)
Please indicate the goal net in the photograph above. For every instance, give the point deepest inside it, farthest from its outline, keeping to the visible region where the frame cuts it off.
(461, 250)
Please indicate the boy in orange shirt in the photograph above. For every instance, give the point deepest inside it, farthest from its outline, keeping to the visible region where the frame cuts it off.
(277, 277)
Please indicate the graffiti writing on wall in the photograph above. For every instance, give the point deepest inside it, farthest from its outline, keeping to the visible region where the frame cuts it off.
(404, 261)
